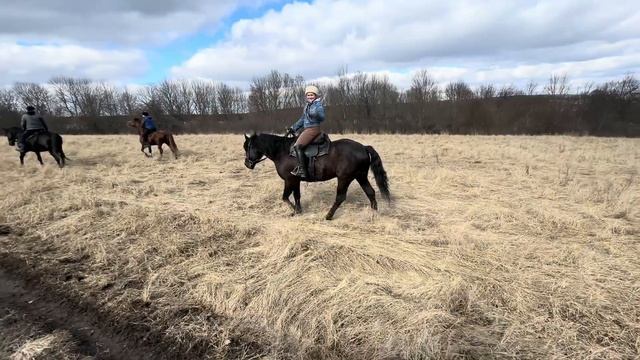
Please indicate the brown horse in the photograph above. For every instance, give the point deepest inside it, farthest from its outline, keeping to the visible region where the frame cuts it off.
(159, 138)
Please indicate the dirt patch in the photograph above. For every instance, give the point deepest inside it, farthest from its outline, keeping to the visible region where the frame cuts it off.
(31, 302)
(5, 229)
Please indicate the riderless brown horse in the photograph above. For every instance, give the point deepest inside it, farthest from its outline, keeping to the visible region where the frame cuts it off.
(347, 160)
(158, 138)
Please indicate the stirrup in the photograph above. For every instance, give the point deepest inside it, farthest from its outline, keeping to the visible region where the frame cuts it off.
(297, 171)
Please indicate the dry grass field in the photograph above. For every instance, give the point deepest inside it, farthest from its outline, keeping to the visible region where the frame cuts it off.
(494, 247)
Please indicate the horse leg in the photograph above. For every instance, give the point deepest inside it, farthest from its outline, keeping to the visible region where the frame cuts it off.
(341, 195)
(160, 149)
(142, 149)
(288, 189)
(22, 154)
(39, 157)
(55, 156)
(296, 196)
(368, 189)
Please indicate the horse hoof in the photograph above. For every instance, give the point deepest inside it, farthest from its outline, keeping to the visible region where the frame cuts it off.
(328, 217)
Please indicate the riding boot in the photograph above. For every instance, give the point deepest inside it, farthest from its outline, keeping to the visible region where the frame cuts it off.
(302, 169)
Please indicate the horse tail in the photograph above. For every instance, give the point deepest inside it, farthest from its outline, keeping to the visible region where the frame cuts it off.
(173, 146)
(379, 173)
(56, 148)
(62, 154)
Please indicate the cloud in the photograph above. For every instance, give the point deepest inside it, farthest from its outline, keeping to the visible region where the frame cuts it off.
(489, 40)
(122, 22)
(39, 62)
(100, 39)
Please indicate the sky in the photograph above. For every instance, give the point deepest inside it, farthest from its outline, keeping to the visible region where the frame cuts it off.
(145, 41)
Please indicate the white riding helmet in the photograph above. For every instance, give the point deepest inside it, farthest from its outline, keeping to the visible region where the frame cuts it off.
(311, 89)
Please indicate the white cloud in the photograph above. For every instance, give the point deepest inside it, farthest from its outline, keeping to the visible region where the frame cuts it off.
(100, 39)
(38, 63)
(499, 41)
(123, 22)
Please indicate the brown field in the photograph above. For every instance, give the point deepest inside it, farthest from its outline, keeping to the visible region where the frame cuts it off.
(494, 247)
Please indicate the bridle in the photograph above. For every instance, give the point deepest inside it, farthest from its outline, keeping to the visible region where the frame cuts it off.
(253, 163)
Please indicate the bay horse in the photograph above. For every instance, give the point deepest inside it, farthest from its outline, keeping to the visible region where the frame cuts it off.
(158, 138)
(347, 160)
(37, 143)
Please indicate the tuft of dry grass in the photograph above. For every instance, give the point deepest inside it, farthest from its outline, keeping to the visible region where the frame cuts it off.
(22, 340)
(495, 247)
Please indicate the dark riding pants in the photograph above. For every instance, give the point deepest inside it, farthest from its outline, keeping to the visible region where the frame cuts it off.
(146, 133)
(26, 134)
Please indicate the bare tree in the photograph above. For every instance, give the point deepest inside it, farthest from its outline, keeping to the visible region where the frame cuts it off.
(458, 90)
(240, 104)
(150, 100)
(340, 93)
(423, 88)
(8, 101)
(35, 95)
(486, 91)
(558, 85)
(67, 92)
(586, 89)
(258, 101)
(628, 87)
(292, 92)
(531, 88)
(231, 100)
(186, 96)
(174, 97)
(508, 91)
(275, 91)
(108, 97)
(128, 102)
(204, 97)
(82, 97)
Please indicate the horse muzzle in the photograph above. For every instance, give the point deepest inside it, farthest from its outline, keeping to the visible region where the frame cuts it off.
(249, 163)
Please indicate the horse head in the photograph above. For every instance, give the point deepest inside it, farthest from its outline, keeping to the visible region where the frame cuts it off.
(12, 135)
(134, 123)
(253, 155)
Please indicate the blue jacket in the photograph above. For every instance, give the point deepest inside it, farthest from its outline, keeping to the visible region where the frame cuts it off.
(312, 115)
(148, 123)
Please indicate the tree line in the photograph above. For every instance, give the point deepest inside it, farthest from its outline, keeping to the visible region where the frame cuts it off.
(355, 102)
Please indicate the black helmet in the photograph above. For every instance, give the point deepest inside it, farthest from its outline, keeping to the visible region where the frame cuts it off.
(31, 108)
(145, 113)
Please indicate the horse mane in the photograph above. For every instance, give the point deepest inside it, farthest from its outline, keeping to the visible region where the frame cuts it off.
(273, 144)
(13, 130)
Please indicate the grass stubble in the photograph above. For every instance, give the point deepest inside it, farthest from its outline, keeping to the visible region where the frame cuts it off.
(494, 247)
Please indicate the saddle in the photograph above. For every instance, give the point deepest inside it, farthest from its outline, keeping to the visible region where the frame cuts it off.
(34, 135)
(318, 147)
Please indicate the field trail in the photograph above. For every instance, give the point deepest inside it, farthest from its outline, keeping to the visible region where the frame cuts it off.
(494, 247)
(38, 323)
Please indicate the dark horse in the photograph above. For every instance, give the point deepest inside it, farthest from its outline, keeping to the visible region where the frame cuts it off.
(347, 160)
(39, 142)
(159, 138)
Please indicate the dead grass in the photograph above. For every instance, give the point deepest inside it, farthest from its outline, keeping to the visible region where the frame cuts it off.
(496, 247)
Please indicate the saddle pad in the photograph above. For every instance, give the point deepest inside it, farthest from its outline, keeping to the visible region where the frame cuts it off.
(319, 147)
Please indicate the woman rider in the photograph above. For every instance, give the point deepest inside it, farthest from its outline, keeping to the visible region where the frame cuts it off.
(309, 123)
